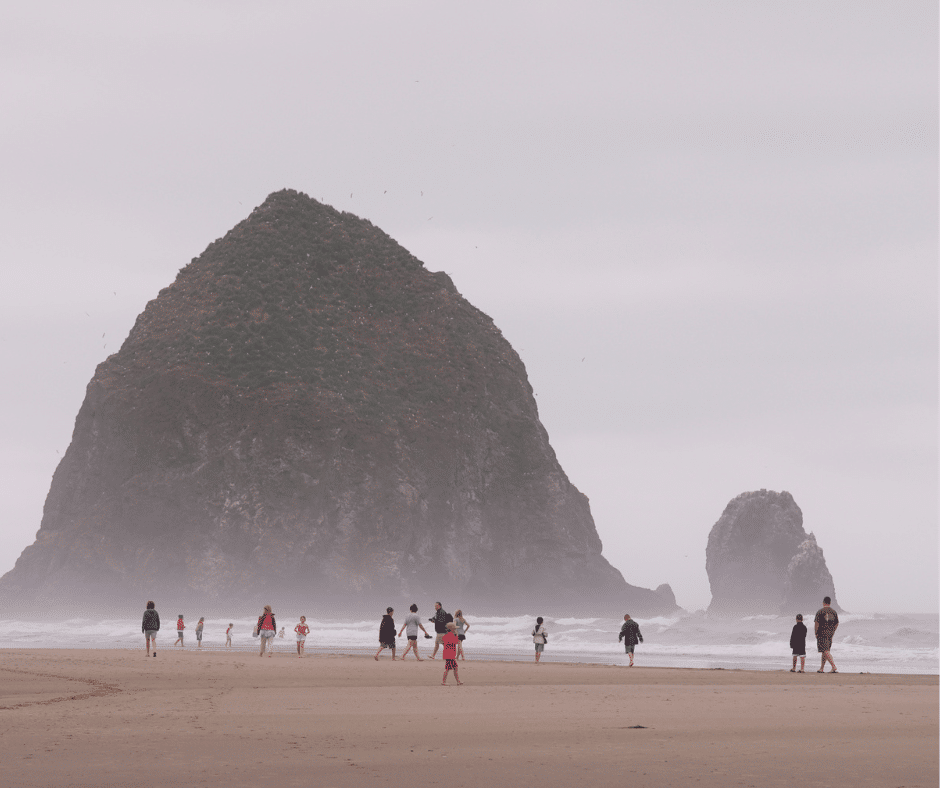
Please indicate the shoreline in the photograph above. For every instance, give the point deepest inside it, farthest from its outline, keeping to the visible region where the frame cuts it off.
(287, 648)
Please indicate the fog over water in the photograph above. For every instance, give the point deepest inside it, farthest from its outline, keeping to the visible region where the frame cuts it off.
(709, 230)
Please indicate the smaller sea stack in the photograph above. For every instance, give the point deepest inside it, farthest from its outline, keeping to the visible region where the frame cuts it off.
(759, 559)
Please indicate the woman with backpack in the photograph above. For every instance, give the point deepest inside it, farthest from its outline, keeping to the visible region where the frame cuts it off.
(266, 629)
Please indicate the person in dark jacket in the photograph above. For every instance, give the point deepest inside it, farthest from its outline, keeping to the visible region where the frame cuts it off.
(150, 626)
(630, 635)
(441, 619)
(386, 634)
(798, 643)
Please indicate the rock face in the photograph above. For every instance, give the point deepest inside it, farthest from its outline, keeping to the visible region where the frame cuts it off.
(308, 414)
(760, 560)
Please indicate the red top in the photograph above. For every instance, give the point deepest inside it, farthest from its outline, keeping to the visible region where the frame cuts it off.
(450, 641)
(180, 624)
(303, 629)
(266, 622)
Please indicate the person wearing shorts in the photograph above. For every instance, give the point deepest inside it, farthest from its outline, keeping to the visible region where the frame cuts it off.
(450, 642)
(199, 627)
(180, 626)
(267, 627)
(228, 635)
(386, 634)
(302, 631)
(630, 635)
(150, 626)
(539, 637)
(460, 629)
(411, 626)
(825, 625)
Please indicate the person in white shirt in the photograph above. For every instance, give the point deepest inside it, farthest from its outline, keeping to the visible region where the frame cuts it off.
(412, 625)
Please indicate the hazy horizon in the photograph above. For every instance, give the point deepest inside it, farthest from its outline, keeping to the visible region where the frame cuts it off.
(710, 235)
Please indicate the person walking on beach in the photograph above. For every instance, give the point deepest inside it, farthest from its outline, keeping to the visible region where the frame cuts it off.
(266, 628)
(460, 629)
(411, 626)
(440, 620)
(150, 626)
(798, 643)
(630, 635)
(825, 625)
(228, 635)
(302, 631)
(199, 627)
(180, 626)
(386, 634)
(451, 642)
(539, 637)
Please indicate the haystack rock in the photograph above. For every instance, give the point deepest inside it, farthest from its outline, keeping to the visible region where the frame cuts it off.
(309, 415)
(760, 560)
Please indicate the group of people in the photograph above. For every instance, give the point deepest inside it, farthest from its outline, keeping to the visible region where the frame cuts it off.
(150, 626)
(265, 630)
(824, 627)
(444, 623)
(450, 632)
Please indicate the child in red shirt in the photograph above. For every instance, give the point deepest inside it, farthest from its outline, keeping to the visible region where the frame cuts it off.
(302, 631)
(180, 626)
(450, 642)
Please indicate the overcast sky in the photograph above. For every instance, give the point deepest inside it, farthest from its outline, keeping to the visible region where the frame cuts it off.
(709, 229)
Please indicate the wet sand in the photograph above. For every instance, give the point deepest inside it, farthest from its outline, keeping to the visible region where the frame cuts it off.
(118, 718)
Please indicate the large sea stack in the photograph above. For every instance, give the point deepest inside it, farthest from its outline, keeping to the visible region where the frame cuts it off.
(760, 560)
(307, 414)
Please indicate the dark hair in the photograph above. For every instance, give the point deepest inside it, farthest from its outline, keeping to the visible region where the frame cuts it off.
(389, 610)
(150, 606)
(799, 616)
(539, 620)
(438, 603)
(413, 608)
(827, 600)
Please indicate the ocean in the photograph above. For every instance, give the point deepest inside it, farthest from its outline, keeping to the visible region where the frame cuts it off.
(864, 643)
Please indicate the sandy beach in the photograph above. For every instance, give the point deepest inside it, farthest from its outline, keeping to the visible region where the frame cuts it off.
(118, 718)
